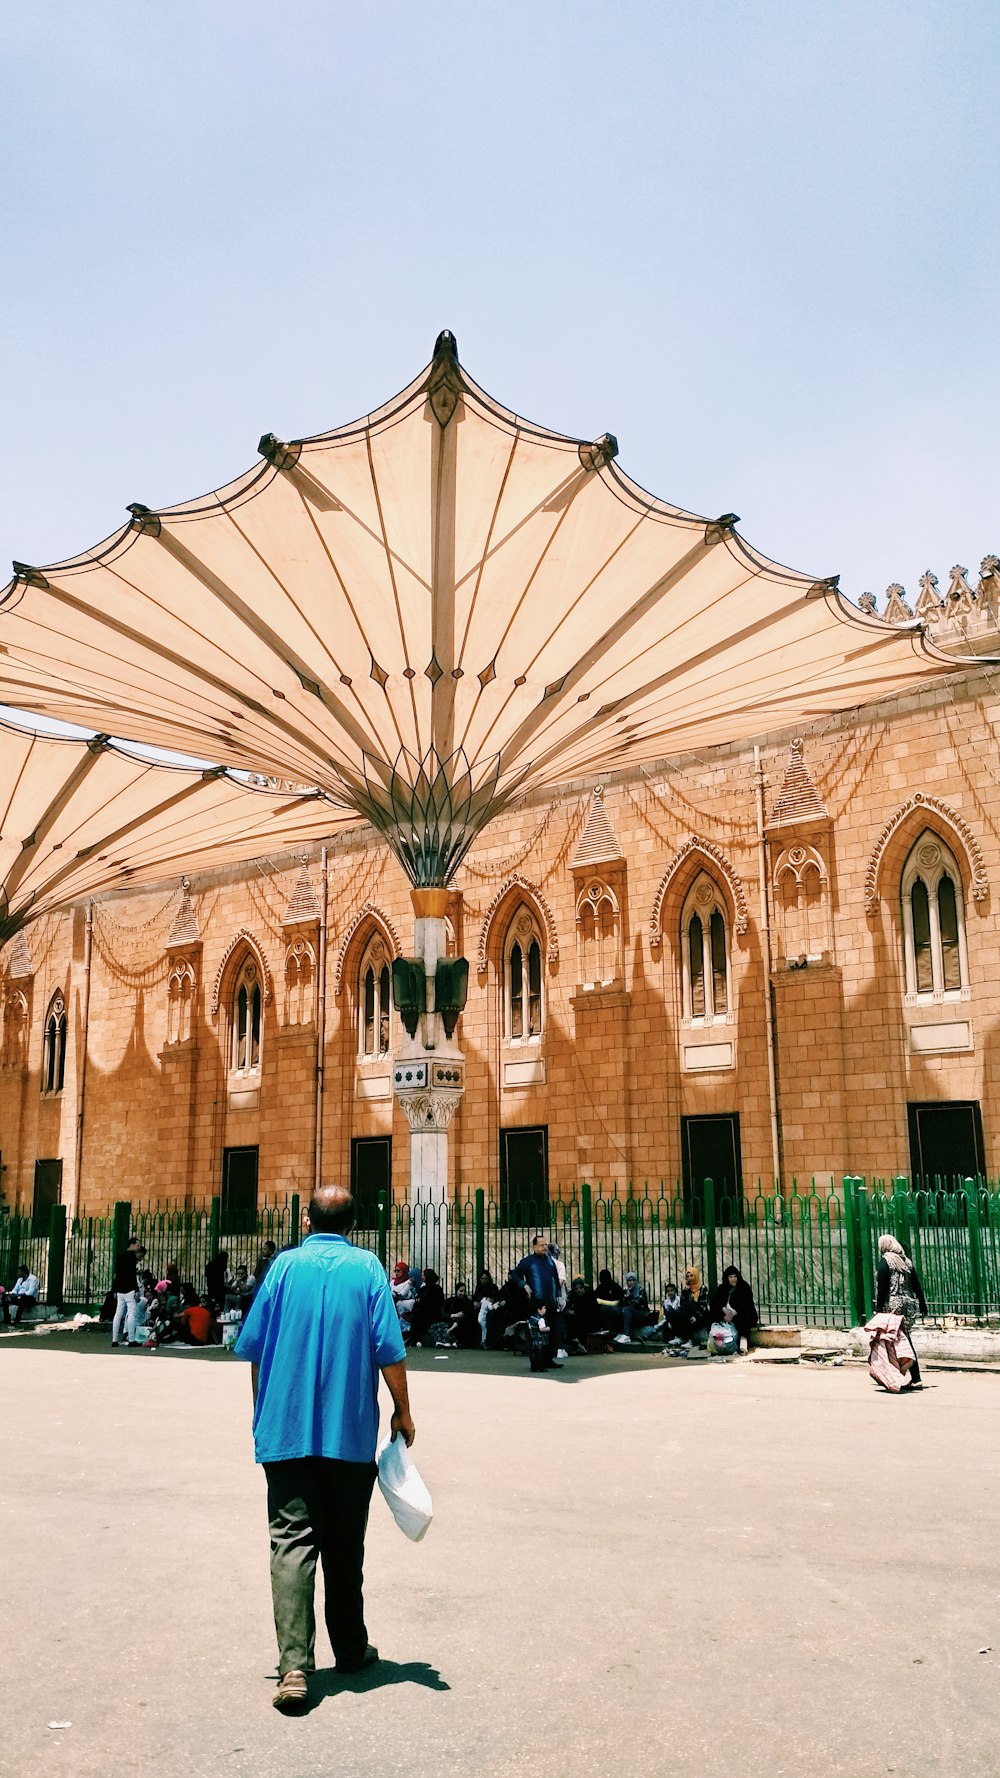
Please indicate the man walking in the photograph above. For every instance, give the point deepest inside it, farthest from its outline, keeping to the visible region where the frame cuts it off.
(538, 1272)
(321, 1327)
(125, 1285)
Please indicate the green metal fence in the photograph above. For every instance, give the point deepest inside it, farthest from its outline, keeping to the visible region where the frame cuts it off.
(809, 1254)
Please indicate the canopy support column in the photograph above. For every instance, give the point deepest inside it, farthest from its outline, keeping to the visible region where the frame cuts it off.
(429, 1080)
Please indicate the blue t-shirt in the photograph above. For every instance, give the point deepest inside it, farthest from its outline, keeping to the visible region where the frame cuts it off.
(321, 1327)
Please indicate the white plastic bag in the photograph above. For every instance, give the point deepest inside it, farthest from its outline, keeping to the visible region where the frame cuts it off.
(404, 1489)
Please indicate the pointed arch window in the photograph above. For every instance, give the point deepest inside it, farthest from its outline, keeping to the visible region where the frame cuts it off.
(374, 1001)
(54, 1048)
(523, 956)
(300, 983)
(935, 951)
(246, 1021)
(15, 1030)
(180, 997)
(705, 974)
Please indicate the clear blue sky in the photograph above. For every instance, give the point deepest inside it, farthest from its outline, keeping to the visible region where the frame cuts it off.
(756, 239)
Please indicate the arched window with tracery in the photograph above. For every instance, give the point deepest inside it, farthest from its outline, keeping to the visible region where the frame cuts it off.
(598, 936)
(246, 1020)
(54, 1048)
(180, 998)
(705, 977)
(374, 1001)
(300, 983)
(935, 953)
(15, 1030)
(523, 957)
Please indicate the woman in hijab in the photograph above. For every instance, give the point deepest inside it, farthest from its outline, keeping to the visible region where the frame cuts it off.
(898, 1291)
(690, 1320)
(732, 1301)
(404, 1294)
(427, 1310)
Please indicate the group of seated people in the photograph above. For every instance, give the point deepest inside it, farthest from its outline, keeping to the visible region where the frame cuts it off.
(587, 1318)
(172, 1311)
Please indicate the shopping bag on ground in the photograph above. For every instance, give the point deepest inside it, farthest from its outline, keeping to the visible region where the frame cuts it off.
(404, 1490)
(722, 1339)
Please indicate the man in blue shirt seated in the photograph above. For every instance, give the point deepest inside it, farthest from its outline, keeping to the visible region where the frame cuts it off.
(321, 1327)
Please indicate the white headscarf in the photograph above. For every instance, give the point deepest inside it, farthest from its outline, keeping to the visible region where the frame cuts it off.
(894, 1255)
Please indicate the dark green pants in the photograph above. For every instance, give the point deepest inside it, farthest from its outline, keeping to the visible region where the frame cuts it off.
(317, 1508)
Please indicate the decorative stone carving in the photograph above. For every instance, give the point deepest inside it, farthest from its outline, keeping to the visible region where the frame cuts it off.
(303, 907)
(716, 861)
(300, 982)
(251, 943)
(799, 802)
(370, 912)
(537, 899)
(429, 1111)
(897, 611)
(988, 590)
(15, 1030)
(929, 605)
(959, 595)
(598, 841)
(180, 1001)
(598, 935)
(184, 933)
(869, 604)
(960, 830)
(797, 862)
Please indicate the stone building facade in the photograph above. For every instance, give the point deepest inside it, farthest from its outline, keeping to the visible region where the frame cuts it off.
(621, 1009)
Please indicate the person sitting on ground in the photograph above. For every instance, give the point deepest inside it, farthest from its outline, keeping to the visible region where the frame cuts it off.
(689, 1323)
(609, 1296)
(23, 1294)
(732, 1301)
(404, 1295)
(671, 1299)
(196, 1322)
(633, 1310)
(427, 1310)
(582, 1315)
(240, 1292)
(463, 1320)
(898, 1291)
(512, 1307)
(485, 1297)
(172, 1274)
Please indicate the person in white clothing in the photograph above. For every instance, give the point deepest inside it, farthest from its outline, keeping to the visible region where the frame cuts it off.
(562, 1298)
(23, 1294)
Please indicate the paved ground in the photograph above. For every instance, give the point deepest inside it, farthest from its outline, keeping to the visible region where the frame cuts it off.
(637, 1567)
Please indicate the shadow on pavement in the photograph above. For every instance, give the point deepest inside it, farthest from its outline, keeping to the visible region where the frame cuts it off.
(326, 1682)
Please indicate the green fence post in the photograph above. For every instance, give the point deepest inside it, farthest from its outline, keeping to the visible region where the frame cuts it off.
(479, 1230)
(293, 1220)
(853, 1243)
(57, 1256)
(121, 1228)
(975, 1245)
(865, 1242)
(382, 1233)
(711, 1257)
(214, 1227)
(587, 1232)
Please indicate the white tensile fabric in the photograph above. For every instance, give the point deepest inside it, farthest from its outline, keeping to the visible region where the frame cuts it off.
(445, 576)
(79, 818)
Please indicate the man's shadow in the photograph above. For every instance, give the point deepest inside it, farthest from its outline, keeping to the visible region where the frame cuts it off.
(326, 1682)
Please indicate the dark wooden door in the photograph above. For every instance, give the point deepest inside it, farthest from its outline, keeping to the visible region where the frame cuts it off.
(48, 1191)
(524, 1175)
(946, 1141)
(239, 1190)
(371, 1177)
(710, 1149)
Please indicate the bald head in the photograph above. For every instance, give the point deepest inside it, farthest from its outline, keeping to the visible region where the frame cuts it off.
(331, 1210)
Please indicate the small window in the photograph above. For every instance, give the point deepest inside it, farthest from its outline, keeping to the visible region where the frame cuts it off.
(54, 1051)
(374, 1002)
(524, 1009)
(705, 980)
(598, 930)
(300, 983)
(15, 1030)
(935, 957)
(180, 993)
(247, 1008)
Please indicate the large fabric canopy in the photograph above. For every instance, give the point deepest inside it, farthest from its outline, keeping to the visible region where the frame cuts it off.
(78, 817)
(432, 610)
